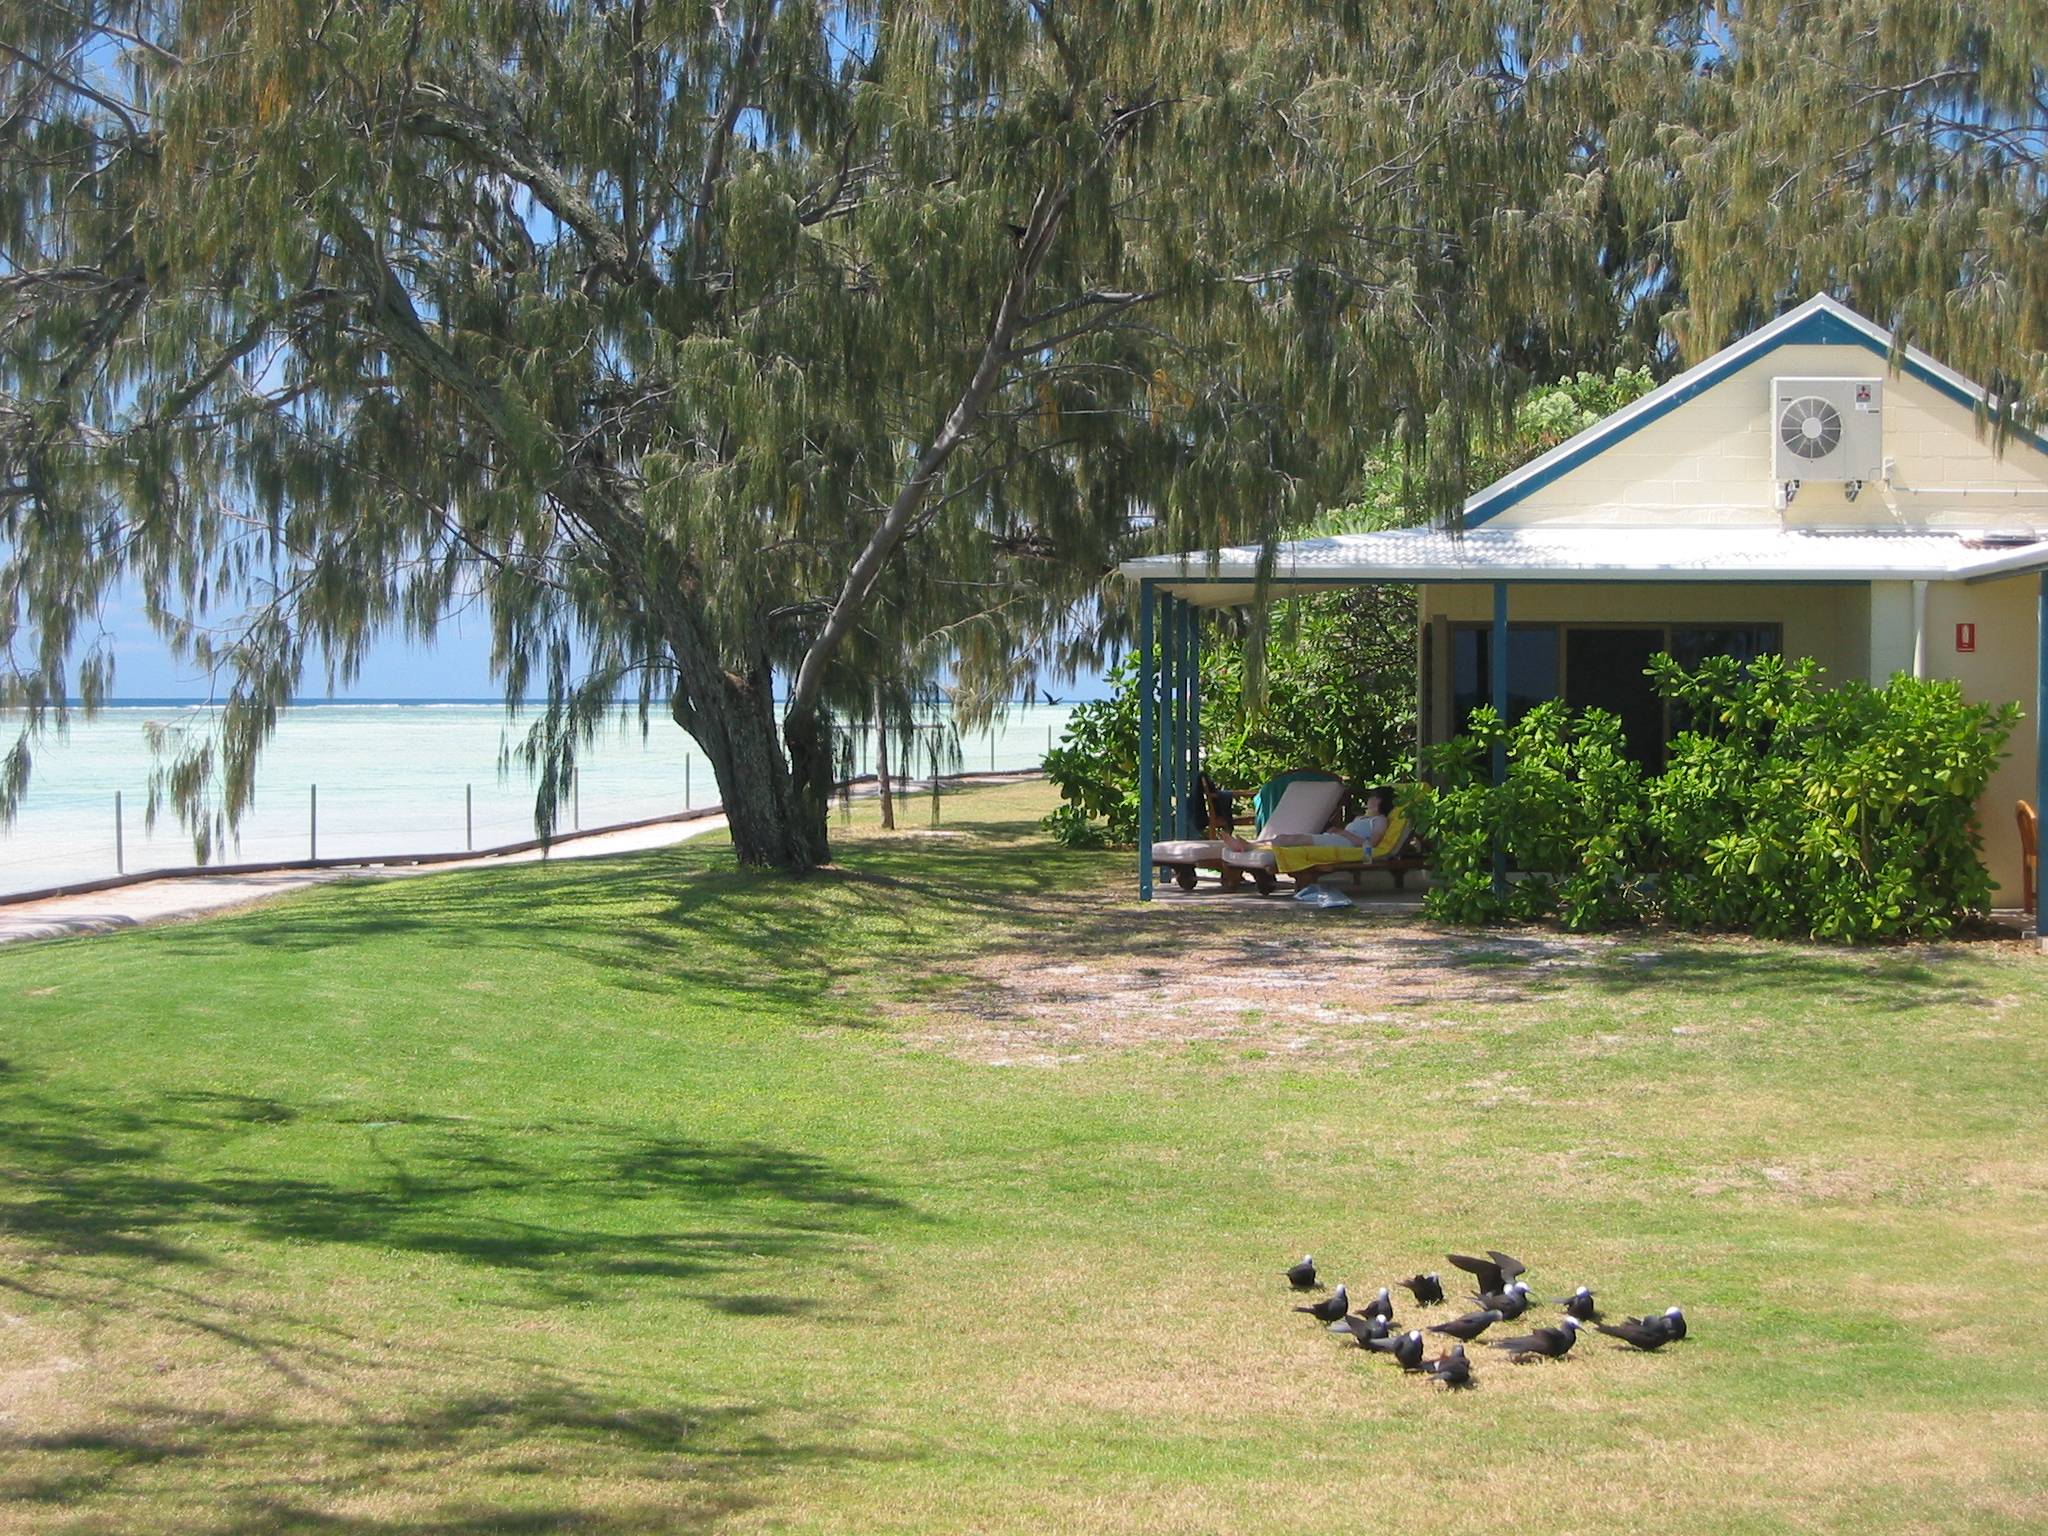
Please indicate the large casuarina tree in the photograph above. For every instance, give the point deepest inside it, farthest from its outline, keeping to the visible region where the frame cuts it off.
(734, 356)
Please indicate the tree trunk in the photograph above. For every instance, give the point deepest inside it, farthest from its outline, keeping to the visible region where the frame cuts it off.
(882, 763)
(773, 805)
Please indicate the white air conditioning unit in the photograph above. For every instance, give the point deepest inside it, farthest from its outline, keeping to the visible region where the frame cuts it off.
(1826, 429)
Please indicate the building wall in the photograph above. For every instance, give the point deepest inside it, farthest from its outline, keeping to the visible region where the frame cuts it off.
(1852, 631)
(1709, 462)
(2001, 670)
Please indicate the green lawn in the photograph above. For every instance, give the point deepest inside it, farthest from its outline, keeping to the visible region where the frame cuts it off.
(949, 1191)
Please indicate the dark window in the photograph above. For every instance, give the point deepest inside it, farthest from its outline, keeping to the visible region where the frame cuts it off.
(1745, 642)
(1532, 670)
(1605, 669)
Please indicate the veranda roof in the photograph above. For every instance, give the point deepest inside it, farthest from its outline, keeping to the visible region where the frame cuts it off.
(1604, 553)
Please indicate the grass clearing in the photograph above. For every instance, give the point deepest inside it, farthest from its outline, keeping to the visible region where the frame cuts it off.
(949, 1190)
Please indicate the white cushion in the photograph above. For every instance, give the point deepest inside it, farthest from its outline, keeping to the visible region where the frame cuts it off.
(1251, 858)
(1305, 807)
(1187, 850)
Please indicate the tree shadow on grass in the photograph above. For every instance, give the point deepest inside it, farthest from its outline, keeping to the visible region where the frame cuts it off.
(1767, 973)
(686, 921)
(569, 1210)
(552, 1455)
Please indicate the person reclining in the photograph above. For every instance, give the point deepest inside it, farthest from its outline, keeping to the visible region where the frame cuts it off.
(1361, 831)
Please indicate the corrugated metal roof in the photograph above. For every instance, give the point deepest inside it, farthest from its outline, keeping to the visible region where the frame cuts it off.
(1607, 553)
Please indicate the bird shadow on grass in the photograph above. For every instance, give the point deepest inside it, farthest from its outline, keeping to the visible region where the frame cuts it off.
(551, 1455)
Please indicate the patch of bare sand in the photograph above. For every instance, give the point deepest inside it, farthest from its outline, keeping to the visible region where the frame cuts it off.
(1264, 977)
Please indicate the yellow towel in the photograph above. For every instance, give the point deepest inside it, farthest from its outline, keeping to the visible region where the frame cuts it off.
(1292, 860)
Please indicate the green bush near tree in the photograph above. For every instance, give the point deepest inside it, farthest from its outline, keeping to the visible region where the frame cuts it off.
(1788, 808)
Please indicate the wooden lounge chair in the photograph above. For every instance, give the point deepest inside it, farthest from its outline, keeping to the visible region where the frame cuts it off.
(1305, 802)
(2030, 858)
(1396, 852)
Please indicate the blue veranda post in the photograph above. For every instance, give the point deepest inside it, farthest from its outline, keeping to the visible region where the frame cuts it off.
(1144, 741)
(1498, 661)
(1169, 710)
(2041, 738)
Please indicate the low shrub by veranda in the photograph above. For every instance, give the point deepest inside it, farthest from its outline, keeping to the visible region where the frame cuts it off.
(1570, 815)
(1788, 808)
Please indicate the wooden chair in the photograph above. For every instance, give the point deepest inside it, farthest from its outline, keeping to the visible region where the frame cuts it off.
(2030, 857)
(1305, 802)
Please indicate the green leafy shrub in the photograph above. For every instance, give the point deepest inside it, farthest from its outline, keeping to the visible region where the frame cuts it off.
(1095, 768)
(1339, 695)
(1570, 814)
(1795, 808)
(1788, 808)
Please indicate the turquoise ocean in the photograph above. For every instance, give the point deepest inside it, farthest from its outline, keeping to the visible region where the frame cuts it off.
(390, 778)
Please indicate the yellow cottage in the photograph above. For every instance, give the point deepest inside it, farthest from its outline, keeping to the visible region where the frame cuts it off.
(1795, 493)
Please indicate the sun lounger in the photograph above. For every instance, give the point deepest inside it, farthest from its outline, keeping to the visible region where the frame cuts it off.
(1305, 805)
(1394, 852)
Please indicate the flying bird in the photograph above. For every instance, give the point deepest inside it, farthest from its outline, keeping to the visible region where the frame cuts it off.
(1547, 1343)
(1494, 1271)
(1330, 1308)
(1406, 1348)
(1302, 1276)
(1381, 1306)
(1580, 1305)
(1468, 1327)
(1360, 1327)
(1643, 1333)
(1453, 1369)
(1509, 1303)
(1427, 1290)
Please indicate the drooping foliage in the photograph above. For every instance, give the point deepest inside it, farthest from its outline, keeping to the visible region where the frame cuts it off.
(1892, 152)
(731, 355)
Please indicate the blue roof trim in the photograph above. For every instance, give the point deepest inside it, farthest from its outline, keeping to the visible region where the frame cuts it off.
(1822, 328)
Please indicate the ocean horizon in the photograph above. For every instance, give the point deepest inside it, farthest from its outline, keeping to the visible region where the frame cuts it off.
(378, 776)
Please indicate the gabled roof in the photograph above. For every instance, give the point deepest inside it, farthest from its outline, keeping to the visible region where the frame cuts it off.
(1553, 552)
(1820, 321)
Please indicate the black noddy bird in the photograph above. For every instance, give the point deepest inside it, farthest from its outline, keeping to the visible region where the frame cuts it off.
(1427, 1290)
(1453, 1369)
(1580, 1305)
(1544, 1343)
(1361, 1327)
(1406, 1348)
(1672, 1319)
(1510, 1303)
(1330, 1308)
(1381, 1306)
(1468, 1327)
(1494, 1271)
(1302, 1276)
(1643, 1333)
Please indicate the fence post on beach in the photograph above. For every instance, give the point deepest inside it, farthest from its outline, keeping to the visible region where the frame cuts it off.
(686, 781)
(991, 749)
(576, 800)
(313, 822)
(120, 857)
(469, 817)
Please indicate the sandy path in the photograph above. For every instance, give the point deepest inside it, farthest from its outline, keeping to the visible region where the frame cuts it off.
(158, 901)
